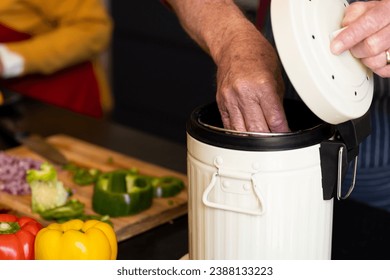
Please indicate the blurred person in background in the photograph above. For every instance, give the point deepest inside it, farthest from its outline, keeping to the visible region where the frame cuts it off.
(251, 83)
(50, 51)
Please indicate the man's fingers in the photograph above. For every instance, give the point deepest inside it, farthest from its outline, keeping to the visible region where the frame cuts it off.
(370, 22)
(376, 62)
(274, 114)
(354, 11)
(267, 116)
(254, 118)
(232, 118)
(373, 45)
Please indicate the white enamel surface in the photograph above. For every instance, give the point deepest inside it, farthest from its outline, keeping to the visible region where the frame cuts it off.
(335, 88)
(296, 222)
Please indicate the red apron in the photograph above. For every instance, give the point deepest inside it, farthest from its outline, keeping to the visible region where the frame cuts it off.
(74, 88)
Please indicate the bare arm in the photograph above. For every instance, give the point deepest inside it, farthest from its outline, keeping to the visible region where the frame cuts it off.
(249, 84)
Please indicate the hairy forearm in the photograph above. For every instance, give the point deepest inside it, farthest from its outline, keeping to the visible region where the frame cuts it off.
(212, 23)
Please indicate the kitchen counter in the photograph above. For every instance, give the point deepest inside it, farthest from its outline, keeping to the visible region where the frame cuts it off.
(360, 232)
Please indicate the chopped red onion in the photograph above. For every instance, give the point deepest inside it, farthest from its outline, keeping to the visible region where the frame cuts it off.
(13, 173)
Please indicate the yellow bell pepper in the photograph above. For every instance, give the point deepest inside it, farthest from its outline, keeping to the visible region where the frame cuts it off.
(76, 240)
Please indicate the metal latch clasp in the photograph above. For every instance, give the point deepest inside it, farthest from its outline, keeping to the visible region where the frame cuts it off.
(340, 175)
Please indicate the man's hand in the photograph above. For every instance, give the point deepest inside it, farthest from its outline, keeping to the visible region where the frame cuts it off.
(250, 87)
(367, 35)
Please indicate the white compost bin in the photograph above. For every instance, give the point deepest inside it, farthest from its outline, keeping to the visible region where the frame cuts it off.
(270, 196)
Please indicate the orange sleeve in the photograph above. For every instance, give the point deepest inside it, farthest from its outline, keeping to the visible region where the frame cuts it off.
(81, 29)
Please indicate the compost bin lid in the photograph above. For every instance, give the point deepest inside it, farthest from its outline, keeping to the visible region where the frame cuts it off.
(335, 88)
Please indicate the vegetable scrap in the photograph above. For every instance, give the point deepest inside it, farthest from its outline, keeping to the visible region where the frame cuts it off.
(167, 186)
(128, 192)
(47, 192)
(13, 173)
(71, 209)
(82, 176)
(52, 201)
(110, 160)
(122, 193)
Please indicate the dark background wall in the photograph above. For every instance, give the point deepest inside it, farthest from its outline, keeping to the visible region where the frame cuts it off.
(159, 75)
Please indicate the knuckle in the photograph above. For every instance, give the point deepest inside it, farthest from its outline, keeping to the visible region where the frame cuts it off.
(242, 85)
(224, 94)
(372, 63)
(372, 45)
(254, 86)
(275, 121)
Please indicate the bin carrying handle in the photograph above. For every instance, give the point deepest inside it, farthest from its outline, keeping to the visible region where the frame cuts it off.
(211, 204)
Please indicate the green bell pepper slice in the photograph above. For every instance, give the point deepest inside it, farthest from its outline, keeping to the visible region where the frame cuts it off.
(70, 210)
(167, 186)
(82, 176)
(122, 193)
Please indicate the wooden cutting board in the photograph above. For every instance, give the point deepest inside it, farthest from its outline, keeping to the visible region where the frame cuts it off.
(88, 155)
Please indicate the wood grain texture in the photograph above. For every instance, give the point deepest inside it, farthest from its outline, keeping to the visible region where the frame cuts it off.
(88, 155)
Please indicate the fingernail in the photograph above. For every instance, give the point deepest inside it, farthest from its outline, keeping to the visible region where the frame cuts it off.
(336, 47)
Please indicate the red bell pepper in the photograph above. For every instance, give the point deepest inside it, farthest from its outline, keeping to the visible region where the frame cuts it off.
(17, 237)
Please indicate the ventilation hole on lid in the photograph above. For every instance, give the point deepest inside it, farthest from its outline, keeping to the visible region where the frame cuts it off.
(314, 37)
(332, 77)
(355, 93)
